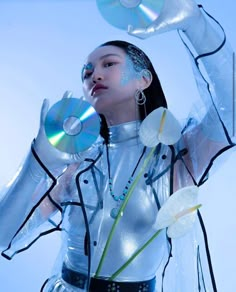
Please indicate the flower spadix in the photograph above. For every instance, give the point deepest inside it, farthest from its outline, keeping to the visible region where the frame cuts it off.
(160, 126)
(179, 212)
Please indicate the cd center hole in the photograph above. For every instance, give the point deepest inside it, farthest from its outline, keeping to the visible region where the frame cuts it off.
(72, 126)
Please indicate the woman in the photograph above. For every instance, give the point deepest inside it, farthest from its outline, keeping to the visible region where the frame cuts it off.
(89, 194)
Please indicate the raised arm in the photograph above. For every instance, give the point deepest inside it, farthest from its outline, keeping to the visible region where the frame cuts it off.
(210, 132)
(207, 39)
(32, 183)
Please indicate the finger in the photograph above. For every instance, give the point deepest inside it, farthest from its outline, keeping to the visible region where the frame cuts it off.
(67, 94)
(141, 33)
(83, 98)
(44, 111)
(137, 32)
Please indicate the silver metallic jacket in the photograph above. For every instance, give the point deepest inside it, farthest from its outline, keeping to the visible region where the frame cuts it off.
(79, 202)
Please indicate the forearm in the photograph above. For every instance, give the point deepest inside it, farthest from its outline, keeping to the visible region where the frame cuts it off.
(18, 198)
(217, 59)
(202, 35)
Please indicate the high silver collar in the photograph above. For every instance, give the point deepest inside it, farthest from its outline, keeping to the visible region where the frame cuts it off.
(124, 132)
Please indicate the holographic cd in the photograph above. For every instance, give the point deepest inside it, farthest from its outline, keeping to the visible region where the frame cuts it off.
(138, 13)
(72, 125)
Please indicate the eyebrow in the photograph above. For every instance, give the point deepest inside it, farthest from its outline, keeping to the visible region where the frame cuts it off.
(105, 56)
(108, 55)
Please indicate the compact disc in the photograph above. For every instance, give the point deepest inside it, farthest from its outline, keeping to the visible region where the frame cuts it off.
(138, 13)
(72, 125)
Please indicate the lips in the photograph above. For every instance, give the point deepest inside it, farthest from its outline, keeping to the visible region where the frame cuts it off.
(98, 87)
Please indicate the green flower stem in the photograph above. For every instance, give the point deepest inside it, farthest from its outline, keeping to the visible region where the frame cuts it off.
(132, 187)
(134, 256)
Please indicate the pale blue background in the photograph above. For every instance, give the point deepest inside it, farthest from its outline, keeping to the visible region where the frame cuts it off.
(42, 48)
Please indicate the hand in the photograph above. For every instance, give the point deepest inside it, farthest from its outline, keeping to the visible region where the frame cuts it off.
(175, 14)
(49, 155)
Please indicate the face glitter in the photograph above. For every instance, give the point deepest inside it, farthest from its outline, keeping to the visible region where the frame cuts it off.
(128, 72)
(138, 58)
(136, 62)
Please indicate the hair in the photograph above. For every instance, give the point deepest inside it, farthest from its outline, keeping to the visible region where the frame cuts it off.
(155, 97)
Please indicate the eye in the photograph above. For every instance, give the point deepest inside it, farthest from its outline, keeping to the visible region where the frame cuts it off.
(109, 64)
(87, 74)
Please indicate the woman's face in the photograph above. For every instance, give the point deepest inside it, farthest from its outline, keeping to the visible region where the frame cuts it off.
(110, 81)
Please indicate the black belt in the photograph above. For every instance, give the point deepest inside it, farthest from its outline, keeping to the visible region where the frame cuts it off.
(79, 280)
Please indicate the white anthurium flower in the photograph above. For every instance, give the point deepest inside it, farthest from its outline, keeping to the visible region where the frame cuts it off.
(178, 213)
(160, 126)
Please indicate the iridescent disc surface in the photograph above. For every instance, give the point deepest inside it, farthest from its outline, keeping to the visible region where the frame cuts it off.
(72, 125)
(138, 13)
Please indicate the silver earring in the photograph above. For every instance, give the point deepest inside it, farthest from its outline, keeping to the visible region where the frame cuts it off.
(140, 97)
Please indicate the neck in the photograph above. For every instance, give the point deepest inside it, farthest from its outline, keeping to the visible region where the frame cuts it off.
(120, 114)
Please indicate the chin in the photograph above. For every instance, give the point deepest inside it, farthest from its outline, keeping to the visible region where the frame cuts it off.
(102, 107)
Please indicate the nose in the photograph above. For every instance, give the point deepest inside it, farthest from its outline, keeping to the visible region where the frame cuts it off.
(97, 75)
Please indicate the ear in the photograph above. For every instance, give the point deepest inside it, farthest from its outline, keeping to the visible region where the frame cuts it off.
(145, 79)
